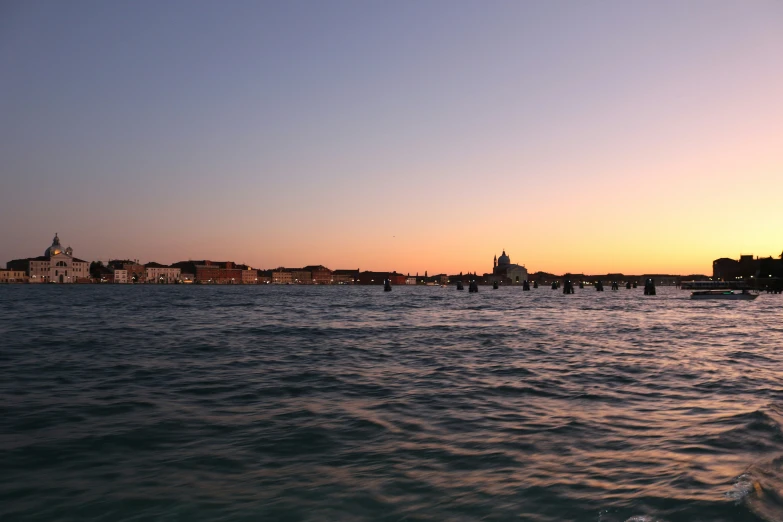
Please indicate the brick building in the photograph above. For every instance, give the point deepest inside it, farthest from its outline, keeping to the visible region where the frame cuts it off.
(319, 274)
(212, 272)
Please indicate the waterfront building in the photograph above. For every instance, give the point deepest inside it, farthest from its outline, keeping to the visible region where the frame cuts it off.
(725, 269)
(137, 273)
(102, 274)
(377, 278)
(249, 276)
(345, 277)
(162, 274)
(319, 274)
(196, 270)
(12, 276)
(281, 276)
(120, 276)
(410, 280)
(505, 272)
(212, 272)
(300, 276)
(229, 273)
(57, 265)
(206, 272)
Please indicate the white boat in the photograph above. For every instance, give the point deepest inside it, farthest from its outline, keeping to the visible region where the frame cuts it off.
(730, 295)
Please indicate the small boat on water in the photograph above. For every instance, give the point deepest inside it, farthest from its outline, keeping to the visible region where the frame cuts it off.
(730, 295)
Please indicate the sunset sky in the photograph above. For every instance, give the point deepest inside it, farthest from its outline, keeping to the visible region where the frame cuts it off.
(583, 136)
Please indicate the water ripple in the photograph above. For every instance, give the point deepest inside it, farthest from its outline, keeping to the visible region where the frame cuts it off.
(348, 403)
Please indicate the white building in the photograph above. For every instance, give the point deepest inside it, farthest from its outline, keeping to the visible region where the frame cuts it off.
(57, 265)
(161, 274)
(120, 276)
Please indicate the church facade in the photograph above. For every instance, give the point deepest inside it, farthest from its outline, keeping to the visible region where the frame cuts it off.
(504, 272)
(57, 265)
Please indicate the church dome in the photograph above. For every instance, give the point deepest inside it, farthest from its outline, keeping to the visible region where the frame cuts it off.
(504, 260)
(55, 249)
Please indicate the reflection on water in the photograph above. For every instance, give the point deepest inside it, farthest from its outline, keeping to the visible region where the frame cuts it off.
(348, 403)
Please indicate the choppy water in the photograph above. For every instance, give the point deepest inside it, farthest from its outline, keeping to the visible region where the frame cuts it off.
(348, 403)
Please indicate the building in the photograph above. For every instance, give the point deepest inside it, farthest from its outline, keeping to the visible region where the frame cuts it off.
(137, 273)
(211, 272)
(228, 273)
(188, 270)
(102, 274)
(345, 277)
(13, 276)
(747, 267)
(377, 278)
(162, 274)
(281, 276)
(249, 277)
(319, 274)
(725, 269)
(206, 272)
(505, 272)
(300, 276)
(57, 265)
(120, 276)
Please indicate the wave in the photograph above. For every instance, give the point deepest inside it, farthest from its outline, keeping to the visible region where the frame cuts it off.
(760, 488)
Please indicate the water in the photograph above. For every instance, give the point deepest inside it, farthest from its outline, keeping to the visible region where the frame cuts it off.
(348, 403)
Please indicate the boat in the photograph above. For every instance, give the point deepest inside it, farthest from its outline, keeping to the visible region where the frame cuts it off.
(727, 294)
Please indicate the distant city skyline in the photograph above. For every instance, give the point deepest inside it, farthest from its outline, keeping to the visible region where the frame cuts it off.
(503, 269)
(586, 137)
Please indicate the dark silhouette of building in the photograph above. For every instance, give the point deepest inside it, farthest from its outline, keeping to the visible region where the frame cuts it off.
(377, 278)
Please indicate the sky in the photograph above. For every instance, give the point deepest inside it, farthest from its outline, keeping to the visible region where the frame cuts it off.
(427, 135)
